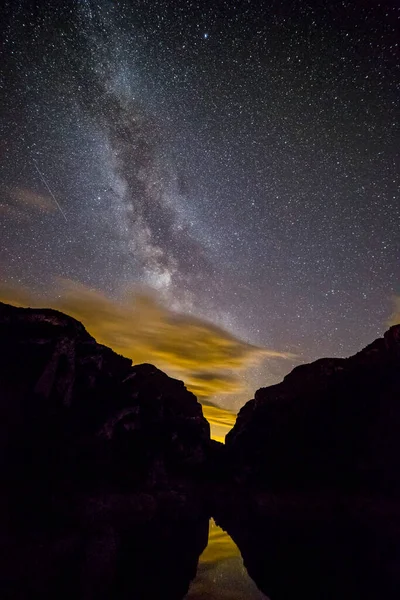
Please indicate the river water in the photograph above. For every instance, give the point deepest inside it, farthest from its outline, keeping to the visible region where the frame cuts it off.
(221, 574)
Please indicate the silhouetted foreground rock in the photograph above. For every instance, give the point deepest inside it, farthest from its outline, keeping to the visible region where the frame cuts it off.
(331, 423)
(108, 473)
(317, 546)
(98, 462)
(73, 409)
(132, 546)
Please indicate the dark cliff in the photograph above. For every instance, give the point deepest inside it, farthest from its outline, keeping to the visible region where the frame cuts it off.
(109, 474)
(334, 422)
(72, 408)
(319, 545)
(98, 462)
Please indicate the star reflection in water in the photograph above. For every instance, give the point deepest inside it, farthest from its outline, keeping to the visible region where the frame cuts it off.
(221, 574)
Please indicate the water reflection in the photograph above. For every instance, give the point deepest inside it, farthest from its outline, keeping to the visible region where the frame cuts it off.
(164, 547)
(221, 574)
(328, 547)
(106, 547)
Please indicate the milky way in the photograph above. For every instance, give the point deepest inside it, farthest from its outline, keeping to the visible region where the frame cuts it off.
(238, 158)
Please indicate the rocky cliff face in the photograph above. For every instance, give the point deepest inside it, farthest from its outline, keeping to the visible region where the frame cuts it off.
(100, 460)
(317, 546)
(72, 409)
(332, 422)
(97, 461)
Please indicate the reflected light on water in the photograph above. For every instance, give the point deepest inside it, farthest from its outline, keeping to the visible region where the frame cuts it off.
(221, 574)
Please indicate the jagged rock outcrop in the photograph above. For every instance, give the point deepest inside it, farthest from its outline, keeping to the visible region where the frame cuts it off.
(72, 409)
(118, 550)
(334, 422)
(99, 462)
(316, 545)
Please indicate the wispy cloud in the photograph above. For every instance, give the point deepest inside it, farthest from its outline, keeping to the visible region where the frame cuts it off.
(209, 359)
(395, 317)
(221, 421)
(28, 198)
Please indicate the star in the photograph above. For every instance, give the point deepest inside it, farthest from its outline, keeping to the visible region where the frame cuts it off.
(255, 188)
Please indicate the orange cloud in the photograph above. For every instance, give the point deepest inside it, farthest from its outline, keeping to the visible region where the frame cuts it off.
(395, 318)
(13, 212)
(18, 201)
(206, 357)
(32, 199)
(221, 421)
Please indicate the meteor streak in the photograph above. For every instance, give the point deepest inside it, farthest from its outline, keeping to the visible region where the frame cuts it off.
(49, 190)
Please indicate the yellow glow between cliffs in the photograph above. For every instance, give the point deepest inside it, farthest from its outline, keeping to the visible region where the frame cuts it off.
(206, 357)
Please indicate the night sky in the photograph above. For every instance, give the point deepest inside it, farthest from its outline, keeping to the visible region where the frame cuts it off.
(235, 161)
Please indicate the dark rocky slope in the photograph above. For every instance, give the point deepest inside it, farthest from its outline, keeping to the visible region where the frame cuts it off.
(98, 463)
(109, 475)
(332, 423)
(72, 408)
(319, 546)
